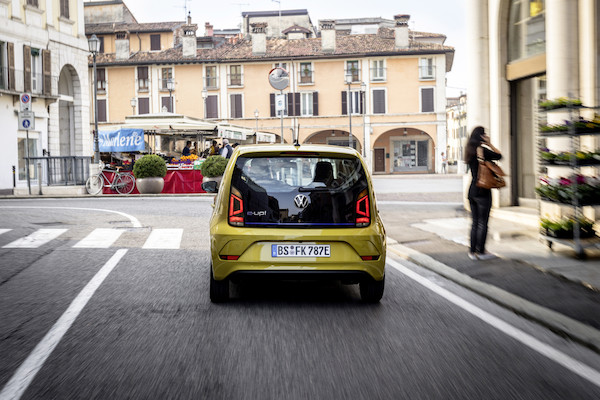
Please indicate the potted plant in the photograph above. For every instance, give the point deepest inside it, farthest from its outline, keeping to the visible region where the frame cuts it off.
(212, 171)
(149, 172)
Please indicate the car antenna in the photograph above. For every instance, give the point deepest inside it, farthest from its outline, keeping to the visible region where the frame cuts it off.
(296, 143)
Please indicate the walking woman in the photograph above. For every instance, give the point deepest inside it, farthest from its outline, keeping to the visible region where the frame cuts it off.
(480, 199)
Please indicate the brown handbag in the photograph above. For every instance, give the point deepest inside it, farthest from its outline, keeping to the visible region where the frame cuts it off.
(490, 175)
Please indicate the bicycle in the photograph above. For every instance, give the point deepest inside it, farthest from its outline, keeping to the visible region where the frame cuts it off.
(121, 182)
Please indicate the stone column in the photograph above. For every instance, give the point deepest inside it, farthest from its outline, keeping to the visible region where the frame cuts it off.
(478, 95)
(562, 49)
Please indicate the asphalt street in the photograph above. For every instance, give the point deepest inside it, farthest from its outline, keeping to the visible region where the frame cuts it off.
(129, 319)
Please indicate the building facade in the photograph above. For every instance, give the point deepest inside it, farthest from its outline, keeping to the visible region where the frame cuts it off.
(456, 116)
(522, 52)
(393, 104)
(43, 52)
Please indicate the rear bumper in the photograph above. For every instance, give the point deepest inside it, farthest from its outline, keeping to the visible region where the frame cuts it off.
(343, 276)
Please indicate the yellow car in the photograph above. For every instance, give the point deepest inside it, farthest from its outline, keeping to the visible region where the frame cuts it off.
(299, 212)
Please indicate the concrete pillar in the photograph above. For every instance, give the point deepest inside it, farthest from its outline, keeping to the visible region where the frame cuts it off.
(562, 49)
(478, 99)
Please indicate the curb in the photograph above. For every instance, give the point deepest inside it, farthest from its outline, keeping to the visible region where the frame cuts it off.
(553, 320)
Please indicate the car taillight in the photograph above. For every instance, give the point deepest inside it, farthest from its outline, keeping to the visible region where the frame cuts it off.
(236, 208)
(363, 211)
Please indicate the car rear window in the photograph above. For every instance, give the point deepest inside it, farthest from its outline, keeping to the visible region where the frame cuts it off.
(299, 191)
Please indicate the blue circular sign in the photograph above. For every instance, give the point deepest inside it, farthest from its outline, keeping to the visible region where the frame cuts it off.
(26, 123)
(25, 98)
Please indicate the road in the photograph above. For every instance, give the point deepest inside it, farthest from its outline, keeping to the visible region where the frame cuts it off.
(98, 314)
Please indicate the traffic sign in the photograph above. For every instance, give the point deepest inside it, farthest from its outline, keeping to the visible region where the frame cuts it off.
(26, 120)
(25, 100)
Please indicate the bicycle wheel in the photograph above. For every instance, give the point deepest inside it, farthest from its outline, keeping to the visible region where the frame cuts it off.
(93, 185)
(125, 184)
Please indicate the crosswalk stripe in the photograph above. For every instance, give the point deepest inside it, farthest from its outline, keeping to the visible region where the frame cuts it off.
(164, 239)
(36, 239)
(101, 238)
(4, 231)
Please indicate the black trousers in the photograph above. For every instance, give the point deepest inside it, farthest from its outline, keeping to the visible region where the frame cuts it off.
(480, 213)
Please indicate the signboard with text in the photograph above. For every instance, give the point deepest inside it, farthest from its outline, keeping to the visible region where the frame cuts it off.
(121, 140)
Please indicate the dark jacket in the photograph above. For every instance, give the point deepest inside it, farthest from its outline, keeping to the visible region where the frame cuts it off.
(488, 155)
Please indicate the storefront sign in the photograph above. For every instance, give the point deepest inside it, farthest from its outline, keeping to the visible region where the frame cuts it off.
(231, 133)
(124, 139)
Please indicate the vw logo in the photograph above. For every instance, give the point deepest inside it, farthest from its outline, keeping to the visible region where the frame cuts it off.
(301, 201)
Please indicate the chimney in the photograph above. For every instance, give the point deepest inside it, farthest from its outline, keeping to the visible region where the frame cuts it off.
(122, 45)
(327, 35)
(259, 38)
(189, 38)
(208, 29)
(401, 31)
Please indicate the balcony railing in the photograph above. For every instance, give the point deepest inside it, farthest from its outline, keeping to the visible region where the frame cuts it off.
(235, 79)
(355, 74)
(426, 72)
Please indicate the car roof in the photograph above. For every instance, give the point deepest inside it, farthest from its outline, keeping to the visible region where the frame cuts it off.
(289, 149)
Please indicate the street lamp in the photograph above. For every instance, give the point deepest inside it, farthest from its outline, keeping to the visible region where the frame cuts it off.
(363, 88)
(349, 107)
(256, 131)
(204, 96)
(133, 103)
(170, 87)
(94, 47)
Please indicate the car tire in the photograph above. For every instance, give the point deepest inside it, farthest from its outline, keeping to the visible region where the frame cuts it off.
(219, 290)
(371, 291)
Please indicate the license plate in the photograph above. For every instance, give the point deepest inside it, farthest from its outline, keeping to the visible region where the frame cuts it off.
(300, 250)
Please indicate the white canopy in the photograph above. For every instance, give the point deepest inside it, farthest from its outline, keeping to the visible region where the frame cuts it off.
(169, 123)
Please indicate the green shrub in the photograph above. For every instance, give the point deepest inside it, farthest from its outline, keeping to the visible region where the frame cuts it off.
(150, 166)
(213, 166)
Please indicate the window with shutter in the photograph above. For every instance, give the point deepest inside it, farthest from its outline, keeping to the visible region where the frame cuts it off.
(427, 100)
(236, 106)
(64, 8)
(143, 105)
(101, 79)
(344, 103)
(143, 82)
(154, 42)
(315, 103)
(47, 71)
(165, 102)
(10, 53)
(102, 110)
(101, 38)
(212, 110)
(379, 101)
(26, 68)
(3, 67)
(307, 104)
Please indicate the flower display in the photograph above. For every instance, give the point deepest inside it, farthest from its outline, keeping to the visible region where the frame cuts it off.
(565, 227)
(582, 126)
(563, 190)
(560, 102)
(565, 157)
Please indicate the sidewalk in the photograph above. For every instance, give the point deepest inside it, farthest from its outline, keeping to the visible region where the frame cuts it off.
(551, 287)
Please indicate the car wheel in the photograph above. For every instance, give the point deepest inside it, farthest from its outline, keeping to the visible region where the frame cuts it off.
(371, 291)
(219, 290)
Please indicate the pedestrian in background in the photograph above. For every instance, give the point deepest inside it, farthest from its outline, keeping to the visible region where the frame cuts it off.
(226, 150)
(444, 163)
(480, 199)
(214, 148)
(186, 150)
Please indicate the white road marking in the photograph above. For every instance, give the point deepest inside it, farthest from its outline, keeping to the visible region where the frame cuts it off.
(36, 239)
(101, 238)
(134, 220)
(4, 231)
(164, 239)
(19, 382)
(561, 358)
